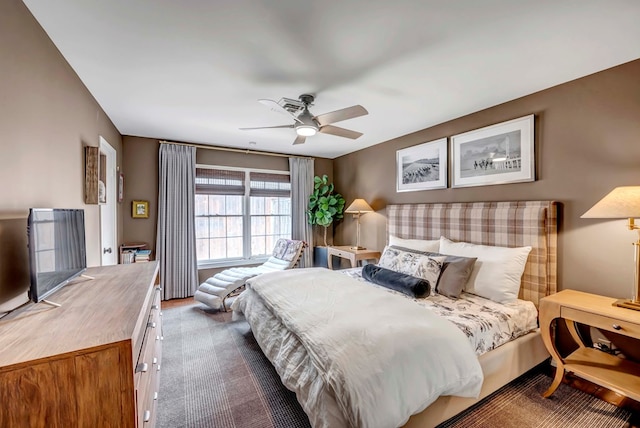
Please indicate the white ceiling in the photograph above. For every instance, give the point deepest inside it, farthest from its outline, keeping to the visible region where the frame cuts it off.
(192, 70)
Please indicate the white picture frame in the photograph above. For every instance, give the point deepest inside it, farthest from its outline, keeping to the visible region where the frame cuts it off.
(422, 167)
(497, 154)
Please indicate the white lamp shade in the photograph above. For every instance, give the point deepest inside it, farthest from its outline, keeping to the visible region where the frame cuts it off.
(621, 202)
(359, 206)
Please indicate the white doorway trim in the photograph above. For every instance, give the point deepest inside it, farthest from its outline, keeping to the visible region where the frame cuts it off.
(109, 210)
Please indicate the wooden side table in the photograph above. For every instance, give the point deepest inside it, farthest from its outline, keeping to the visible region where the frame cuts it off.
(354, 256)
(617, 374)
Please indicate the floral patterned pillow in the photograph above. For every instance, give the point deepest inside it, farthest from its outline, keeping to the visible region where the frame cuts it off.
(293, 249)
(287, 249)
(281, 248)
(418, 265)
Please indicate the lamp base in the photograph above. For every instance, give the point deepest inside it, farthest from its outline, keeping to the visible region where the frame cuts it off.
(627, 303)
(357, 248)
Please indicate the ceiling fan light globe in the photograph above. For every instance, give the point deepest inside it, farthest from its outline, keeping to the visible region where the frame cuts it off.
(306, 131)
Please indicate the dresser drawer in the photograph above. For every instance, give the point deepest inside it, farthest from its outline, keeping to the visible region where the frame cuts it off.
(148, 365)
(601, 321)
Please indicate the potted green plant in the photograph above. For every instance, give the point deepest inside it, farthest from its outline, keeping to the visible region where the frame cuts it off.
(325, 206)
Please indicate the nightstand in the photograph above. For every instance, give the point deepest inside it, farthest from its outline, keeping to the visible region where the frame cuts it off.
(354, 256)
(617, 374)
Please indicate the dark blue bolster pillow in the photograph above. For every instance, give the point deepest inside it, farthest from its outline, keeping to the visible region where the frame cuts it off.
(407, 284)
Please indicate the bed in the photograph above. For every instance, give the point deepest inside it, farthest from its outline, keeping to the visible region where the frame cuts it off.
(285, 328)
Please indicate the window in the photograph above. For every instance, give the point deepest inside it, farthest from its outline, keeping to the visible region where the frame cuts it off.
(240, 213)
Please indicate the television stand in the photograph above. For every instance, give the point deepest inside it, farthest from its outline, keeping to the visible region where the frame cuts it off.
(49, 302)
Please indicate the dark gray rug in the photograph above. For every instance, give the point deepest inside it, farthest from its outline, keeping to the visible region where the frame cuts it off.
(215, 375)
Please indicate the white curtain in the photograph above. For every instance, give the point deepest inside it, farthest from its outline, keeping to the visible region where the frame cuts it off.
(301, 188)
(176, 243)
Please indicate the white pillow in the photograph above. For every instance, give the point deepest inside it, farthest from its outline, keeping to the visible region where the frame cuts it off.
(416, 244)
(498, 271)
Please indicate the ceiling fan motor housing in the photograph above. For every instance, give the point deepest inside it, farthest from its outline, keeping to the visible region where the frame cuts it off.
(307, 99)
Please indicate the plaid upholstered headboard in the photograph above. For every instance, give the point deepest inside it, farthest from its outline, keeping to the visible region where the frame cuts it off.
(505, 224)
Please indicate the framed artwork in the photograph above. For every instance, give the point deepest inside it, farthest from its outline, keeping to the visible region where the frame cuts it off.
(120, 187)
(422, 167)
(497, 154)
(140, 209)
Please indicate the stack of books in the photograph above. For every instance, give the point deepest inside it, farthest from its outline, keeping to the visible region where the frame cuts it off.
(142, 256)
(128, 256)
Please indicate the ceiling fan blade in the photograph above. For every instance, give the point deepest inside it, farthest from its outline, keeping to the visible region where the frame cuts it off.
(273, 105)
(340, 115)
(340, 132)
(266, 127)
(300, 139)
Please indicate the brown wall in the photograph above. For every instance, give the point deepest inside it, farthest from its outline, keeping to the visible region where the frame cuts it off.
(141, 179)
(587, 142)
(46, 117)
(140, 170)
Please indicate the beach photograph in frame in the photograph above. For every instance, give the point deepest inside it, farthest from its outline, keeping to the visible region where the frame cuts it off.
(497, 154)
(422, 167)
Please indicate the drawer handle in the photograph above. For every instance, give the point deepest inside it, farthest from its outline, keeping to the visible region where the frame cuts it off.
(616, 327)
(155, 395)
(151, 324)
(142, 367)
(157, 338)
(158, 367)
(147, 416)
(155, 361)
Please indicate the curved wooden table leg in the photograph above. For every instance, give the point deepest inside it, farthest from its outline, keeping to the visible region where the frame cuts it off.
(549, 311)
(573, 330)
(557, 380)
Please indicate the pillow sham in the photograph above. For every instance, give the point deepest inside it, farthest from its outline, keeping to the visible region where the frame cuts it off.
(454, 274)
(414, 264)
(406, 284)
(497, 272)
(415, 244)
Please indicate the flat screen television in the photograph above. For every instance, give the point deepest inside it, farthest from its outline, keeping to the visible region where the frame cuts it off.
(57, 251)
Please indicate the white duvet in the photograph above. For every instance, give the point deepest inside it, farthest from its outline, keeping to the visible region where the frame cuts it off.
(356, 355)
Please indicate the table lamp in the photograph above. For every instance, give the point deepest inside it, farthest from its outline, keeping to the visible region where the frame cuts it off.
(623, 202)
(356, 208)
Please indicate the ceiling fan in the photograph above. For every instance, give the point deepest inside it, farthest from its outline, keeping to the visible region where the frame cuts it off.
(306, 124)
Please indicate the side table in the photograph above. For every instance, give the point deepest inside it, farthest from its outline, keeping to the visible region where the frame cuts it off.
(612, 372)
(354, 256)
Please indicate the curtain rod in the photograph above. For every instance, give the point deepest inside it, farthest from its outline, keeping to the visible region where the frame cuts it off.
(230, 149)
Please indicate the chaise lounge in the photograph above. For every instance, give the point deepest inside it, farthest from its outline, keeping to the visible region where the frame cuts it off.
(216, 289)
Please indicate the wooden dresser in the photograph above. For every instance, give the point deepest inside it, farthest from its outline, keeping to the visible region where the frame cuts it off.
(92, 362)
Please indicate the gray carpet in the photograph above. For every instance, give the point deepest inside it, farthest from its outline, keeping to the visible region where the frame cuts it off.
(215, 375)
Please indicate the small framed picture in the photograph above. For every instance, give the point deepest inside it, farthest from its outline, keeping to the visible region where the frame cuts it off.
(496, 154)
(140, 209)
(422, 167)
(120, 187)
